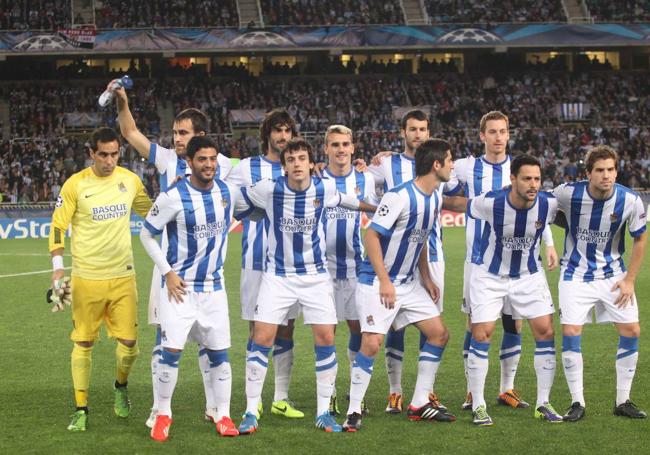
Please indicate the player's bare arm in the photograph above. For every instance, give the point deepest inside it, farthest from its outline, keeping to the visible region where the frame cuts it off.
(128, 127)
(626, 285)
(425, 275)
(386, 288)
(454, 203)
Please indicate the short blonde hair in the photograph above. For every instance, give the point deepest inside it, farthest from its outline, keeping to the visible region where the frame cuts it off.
(493, 115)
(337, 129)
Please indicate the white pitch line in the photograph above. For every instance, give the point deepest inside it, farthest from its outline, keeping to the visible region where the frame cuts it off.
(31, 273)
(29, 254)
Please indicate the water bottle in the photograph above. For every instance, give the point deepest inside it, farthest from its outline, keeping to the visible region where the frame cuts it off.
(107, 96)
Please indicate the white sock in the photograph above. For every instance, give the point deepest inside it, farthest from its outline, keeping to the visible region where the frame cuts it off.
(466, 341)
(509, 356)
(359, 381)
(167, 375)
(326, 369)
(204, 366)
(477, 368)
(394, 348)
(221, 379)
(156, 355)
(544, 369)
(573, 367)
(257, 364)
(428, 364)
(282, 365)
(626, 360)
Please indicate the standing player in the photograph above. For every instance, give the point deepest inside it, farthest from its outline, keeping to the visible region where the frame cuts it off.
(594, 277)
(170, 164)
(476, 176)
(509, 270)
(97, 203)
(343, 234)
(296, 273)
(389, 293)
(193, 299)
(390, 170)
(276, 131)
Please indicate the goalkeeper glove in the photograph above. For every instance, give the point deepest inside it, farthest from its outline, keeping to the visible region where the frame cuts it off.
(60, 294)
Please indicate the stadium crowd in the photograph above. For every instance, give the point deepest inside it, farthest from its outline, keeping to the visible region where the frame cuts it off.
(34, 14)
(619, 103)
(336, 12)
(619, 11)
(492, 11)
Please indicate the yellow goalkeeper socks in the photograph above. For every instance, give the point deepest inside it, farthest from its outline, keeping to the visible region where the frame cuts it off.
(81, 363)
(125, 358)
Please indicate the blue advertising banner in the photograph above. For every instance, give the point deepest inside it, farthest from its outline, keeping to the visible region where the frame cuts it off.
(324, 37)
(38, 228)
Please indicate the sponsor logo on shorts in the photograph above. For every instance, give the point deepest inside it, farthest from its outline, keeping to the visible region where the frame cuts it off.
(370, 320)
(257, 307)
(163, 335)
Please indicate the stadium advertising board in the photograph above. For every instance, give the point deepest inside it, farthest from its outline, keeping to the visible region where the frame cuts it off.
(37, 228)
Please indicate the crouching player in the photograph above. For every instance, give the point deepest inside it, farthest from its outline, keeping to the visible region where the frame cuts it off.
(509, 270)
(193, 302)
(388, 295)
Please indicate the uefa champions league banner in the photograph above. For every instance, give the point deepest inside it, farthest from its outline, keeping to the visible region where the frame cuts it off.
(371, 36)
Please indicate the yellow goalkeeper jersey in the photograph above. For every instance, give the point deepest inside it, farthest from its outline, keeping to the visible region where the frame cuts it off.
(99, 209)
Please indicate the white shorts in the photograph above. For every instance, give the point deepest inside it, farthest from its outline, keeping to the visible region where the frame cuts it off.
(249, 288)
(413, 304)
(467, 280)
(279, 297)
(578, 299)
(154, 297)
(344, 299)
(202, 317)
(528, 296)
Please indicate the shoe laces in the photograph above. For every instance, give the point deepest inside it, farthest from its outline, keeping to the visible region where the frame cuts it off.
(481, 413)
(433, 399)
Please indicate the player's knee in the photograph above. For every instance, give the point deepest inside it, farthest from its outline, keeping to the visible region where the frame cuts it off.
(370, 344)
(85, 344)
(545, 333)
(443, 337)
(127, 343)
(630, 330)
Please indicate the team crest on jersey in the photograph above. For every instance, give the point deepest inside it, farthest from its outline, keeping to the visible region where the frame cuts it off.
(121, 187)
(224, 202)
(317, 202)
(59, 202)
(613, 217)
(539, 224)
(370, 320)
(357, 190)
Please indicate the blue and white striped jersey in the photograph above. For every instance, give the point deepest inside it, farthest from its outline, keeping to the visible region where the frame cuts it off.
(399, 168)
(296, 220)
(511, 237)
(254, 239)
(343, 231)
(196, 223)
(477, 176)
(404, 220)
(594, 241)
(169, 165)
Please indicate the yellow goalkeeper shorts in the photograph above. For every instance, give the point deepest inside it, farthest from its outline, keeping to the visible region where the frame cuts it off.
(114, 301)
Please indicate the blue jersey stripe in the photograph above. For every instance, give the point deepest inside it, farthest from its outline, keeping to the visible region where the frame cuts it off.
(278, 207)
(297, 237)
(315, 238)
(341, 244)
(543, 217)
(576, 208)
(619, 207)
(478, 189)
(498, 212)
(190, 220)
(404, 242)
(202, 266)
(594, 224)
(227, 216)
(356, 238)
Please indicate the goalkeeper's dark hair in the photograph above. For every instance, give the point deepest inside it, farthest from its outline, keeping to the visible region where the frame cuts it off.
(523, 160)
(198, 118)
(429, 152)
(102, 135)
(199, 142)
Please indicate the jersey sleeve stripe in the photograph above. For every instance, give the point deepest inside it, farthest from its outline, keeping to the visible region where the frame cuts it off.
(151, 228)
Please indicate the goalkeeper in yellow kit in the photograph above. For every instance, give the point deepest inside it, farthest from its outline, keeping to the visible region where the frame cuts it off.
(97, 203)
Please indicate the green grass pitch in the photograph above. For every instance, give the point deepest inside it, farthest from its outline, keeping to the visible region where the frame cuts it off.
(37, 394)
